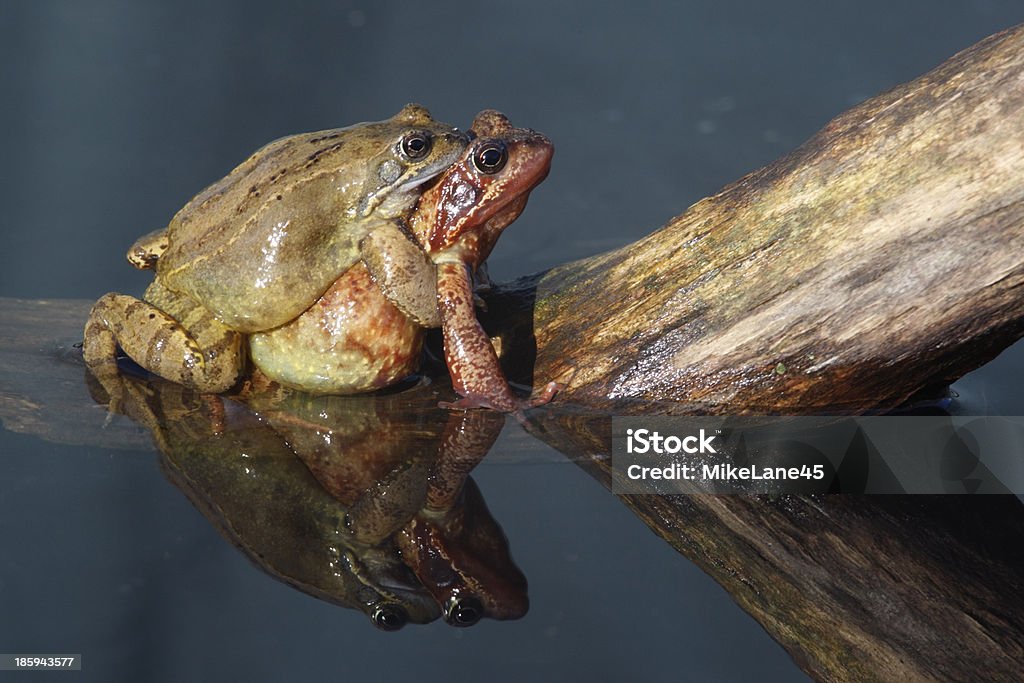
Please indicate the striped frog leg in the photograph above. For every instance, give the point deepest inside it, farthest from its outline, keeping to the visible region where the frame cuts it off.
(168, 335)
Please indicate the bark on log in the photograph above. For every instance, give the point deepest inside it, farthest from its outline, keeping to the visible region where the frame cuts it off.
(883, 256)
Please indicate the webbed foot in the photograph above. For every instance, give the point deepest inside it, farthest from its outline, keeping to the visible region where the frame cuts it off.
(505, 403)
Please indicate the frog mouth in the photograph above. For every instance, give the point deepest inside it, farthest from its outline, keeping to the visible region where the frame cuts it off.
(419, 180)
(398, 197)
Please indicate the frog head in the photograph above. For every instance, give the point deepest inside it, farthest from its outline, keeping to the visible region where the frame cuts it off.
(403, 153)
(463, 214)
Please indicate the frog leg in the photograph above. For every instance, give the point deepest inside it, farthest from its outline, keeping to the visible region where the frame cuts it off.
(186, 345)
(146, 250)
(472, 361)
(390, 503)
(403, 272)
(467, 439)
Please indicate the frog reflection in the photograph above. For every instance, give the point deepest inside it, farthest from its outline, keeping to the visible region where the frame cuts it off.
(360, 501)
(409, 483)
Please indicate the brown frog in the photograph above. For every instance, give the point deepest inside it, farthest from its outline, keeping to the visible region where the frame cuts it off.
(257, 248)
(356, 339)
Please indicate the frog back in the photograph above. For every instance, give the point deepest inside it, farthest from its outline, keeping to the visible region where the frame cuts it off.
(259, 246)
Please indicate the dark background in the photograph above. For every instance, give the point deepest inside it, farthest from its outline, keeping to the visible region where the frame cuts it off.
(113, 114)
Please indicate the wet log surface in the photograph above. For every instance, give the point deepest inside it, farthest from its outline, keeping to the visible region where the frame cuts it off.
(43, 388)
(883, 256)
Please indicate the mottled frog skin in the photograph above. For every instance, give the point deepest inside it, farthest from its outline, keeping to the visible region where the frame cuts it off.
(357, 338)
(257, 248)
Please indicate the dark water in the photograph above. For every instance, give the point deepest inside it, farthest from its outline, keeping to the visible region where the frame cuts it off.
(114, 113)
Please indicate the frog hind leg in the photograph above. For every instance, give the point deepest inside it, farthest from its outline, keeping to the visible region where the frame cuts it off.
(469, 353)
(403, 272)
(146, 250)
(189, 347)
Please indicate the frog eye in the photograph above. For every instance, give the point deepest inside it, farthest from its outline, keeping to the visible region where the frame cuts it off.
(416, 145)
(490, 158)
(388, 617)
(464, 611)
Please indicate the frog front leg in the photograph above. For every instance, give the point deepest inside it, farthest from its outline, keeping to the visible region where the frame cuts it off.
(185, 344)
(472, 361)
(404, 274)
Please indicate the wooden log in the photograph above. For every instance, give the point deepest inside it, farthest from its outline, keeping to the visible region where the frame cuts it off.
(43, 388)
(883, 256)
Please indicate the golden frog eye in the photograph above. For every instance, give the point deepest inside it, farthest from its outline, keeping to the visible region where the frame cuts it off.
(416, 145)
(490, 158)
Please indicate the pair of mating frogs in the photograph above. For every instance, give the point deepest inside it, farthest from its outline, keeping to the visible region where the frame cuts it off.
(324, 258)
